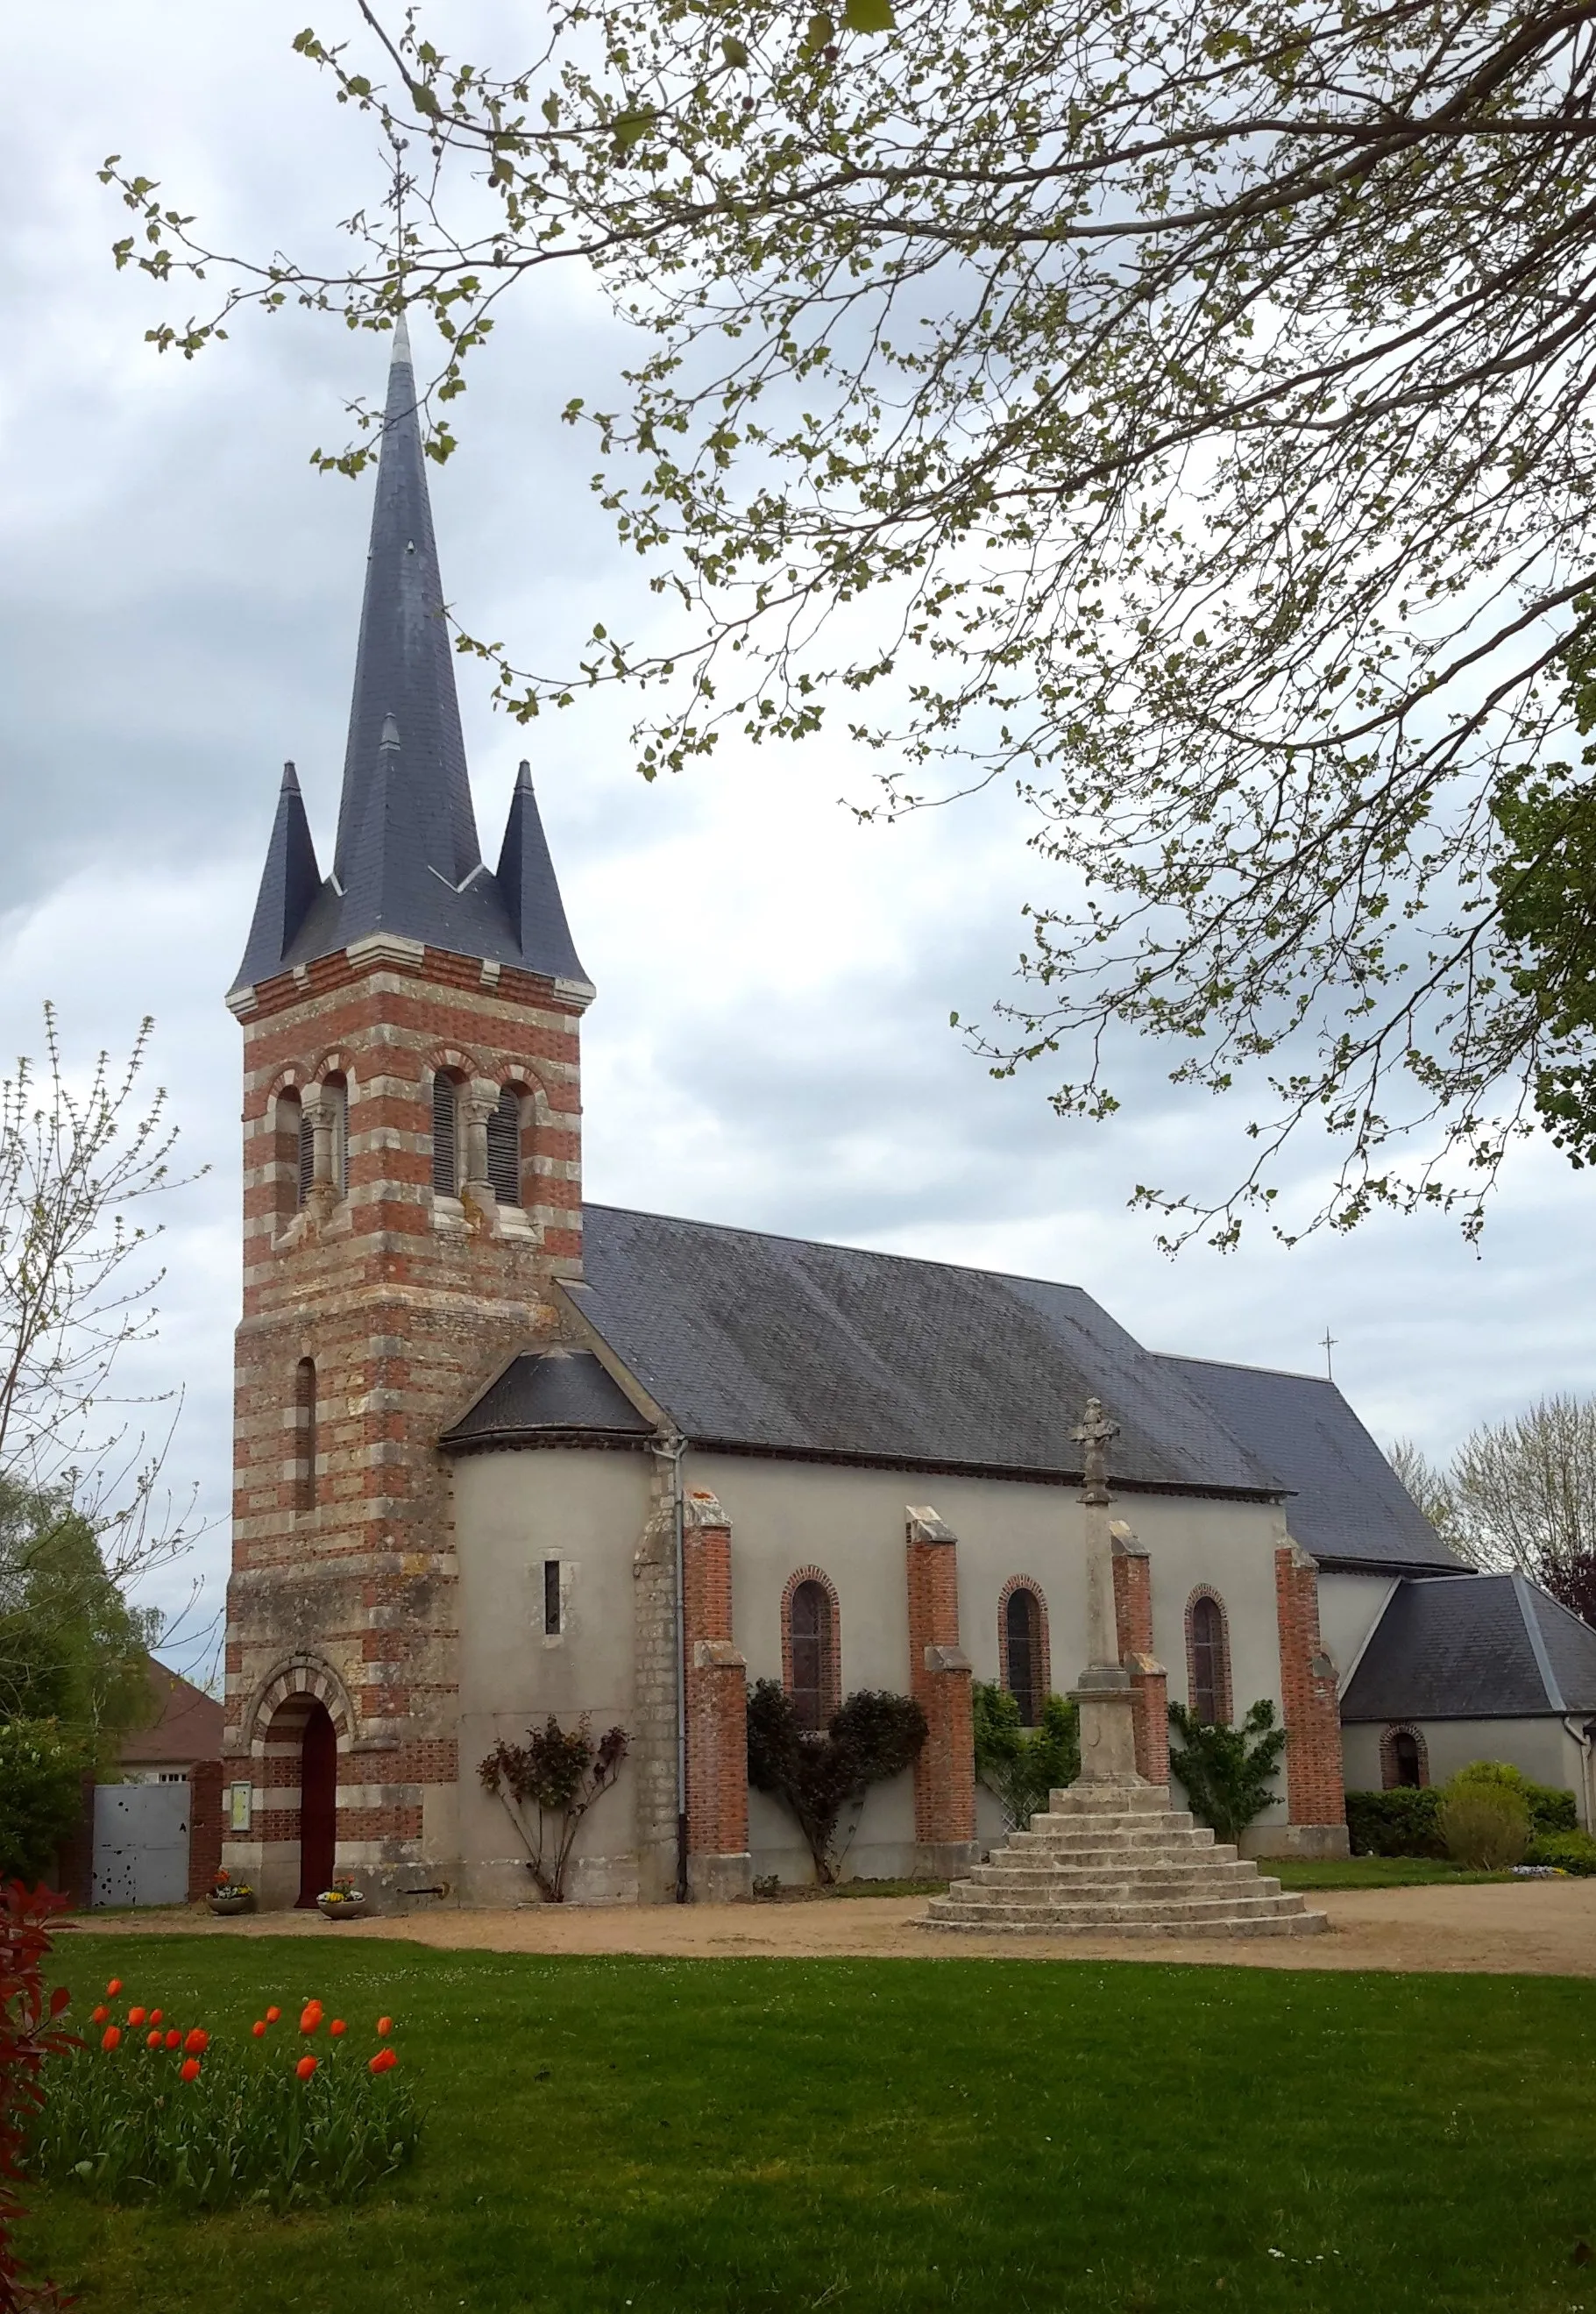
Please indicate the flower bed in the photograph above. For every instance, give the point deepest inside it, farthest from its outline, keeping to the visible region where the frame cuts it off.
(150, 2108)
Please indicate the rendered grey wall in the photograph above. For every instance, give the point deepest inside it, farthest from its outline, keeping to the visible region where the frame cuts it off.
(1543, 1748)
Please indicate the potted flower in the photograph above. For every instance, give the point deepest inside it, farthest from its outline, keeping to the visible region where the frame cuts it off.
(342, 1902)
(228, 1895)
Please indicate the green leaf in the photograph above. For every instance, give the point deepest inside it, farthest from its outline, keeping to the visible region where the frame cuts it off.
(869, 16)
(734, 50)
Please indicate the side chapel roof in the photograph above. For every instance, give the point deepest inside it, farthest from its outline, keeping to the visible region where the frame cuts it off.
(407, 859)
(1478, 1646)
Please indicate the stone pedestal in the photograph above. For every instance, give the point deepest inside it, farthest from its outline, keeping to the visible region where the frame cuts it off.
(1107, 1702)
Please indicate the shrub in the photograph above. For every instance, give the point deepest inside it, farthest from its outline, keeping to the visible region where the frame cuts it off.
(41, 1795)
(1227, 1773)
(1398, 1822)
(1566, 1851)
(1551, 1810)
(1485, 1826)
(1022, 1766)
(28, 2035)
(872, 1737)
(141, 2111)
(557, 1774)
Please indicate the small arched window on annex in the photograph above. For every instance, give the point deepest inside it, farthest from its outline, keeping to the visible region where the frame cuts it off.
(305, 1444)
(507, 1126)
(1404, 1760)
(446, 1131)
(1023, 1666)
(1208, 1657)
(812, 1648)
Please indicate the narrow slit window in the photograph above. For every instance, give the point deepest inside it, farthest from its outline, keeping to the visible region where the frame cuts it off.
(445, 1169)
(307, 1157)
(504, 1149)
(304, 1434)
(552, 1597)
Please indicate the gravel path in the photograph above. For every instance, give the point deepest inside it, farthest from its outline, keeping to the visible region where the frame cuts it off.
(1539, 1927)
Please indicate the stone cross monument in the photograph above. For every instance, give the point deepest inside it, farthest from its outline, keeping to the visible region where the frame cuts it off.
(1104, 1692)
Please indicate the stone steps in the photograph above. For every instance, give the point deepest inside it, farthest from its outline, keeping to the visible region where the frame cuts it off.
(1119, 1860)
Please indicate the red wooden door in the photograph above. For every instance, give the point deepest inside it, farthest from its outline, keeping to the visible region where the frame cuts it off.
(318, 1804)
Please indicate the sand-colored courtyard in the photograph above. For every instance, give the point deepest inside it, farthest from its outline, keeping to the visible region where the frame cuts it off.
(1532, 1927)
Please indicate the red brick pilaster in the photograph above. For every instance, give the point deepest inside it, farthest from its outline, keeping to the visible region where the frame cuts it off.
(205, 1827)
(718, 1865)
(939, 1673)
(1133, 1615)
(1314, 1789)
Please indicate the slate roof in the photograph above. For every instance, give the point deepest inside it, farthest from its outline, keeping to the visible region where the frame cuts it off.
(188, 1724)
(780, 1345)
(548, 1396)
(1475, 1646)
(1349, 1508)
(407, 859)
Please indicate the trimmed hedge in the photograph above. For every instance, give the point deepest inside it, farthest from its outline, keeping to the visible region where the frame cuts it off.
(1405, 1823)
(1397, 1823)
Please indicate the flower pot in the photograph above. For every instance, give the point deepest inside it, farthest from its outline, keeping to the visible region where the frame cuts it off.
(349, 1908)
(225, 1906)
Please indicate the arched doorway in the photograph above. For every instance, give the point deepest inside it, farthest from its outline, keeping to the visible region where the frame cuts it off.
(318, 1804)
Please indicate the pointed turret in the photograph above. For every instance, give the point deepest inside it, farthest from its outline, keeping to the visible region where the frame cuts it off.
(406, 862)
(290, 884)
(529, 893)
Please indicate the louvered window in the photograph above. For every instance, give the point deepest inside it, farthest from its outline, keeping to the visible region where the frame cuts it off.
(307, 1156)
(504, 1149)
(446, 1175)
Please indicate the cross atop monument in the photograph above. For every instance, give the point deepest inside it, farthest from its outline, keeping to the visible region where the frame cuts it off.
(1093, 1433)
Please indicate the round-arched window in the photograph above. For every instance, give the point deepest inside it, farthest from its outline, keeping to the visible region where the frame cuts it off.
(1022, 1631)
(811, 1613)
(1209, 1682)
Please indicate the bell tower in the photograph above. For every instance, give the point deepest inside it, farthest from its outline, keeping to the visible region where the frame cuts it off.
(412, 1189)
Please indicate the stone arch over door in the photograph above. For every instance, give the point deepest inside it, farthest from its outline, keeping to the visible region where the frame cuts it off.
(302, 1726)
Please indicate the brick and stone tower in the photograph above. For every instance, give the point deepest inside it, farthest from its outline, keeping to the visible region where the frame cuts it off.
(412, 1186)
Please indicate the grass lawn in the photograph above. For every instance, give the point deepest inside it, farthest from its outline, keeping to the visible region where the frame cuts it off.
(1372, 1872)
(717, 2137)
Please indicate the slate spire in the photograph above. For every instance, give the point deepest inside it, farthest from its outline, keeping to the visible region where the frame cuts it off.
(407, 861)
(404, 667)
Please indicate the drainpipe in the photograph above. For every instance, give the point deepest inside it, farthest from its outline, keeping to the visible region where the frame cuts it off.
(673, 1454)
(1582, 1736)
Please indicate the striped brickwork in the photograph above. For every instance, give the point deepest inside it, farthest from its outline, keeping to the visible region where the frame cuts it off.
(344, 1577)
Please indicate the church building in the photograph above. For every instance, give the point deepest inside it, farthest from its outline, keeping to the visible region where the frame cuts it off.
(502, 1453)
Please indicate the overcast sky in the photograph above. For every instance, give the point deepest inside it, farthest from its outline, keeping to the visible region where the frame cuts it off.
(179, 596)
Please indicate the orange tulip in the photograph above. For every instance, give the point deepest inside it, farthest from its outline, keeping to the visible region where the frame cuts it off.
(191, 2069)
(197, 2041)
(154, 2016)
(272, 2015)
(111, 2035)
(385, 2027)
(337, 2026)
(174, 2039)
(384, 2061)
(153, 2041)
(113, 1988)
(136, 2016)
(305, 2068)
(309, 2019)
(98, 2015)
(259, 2029)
